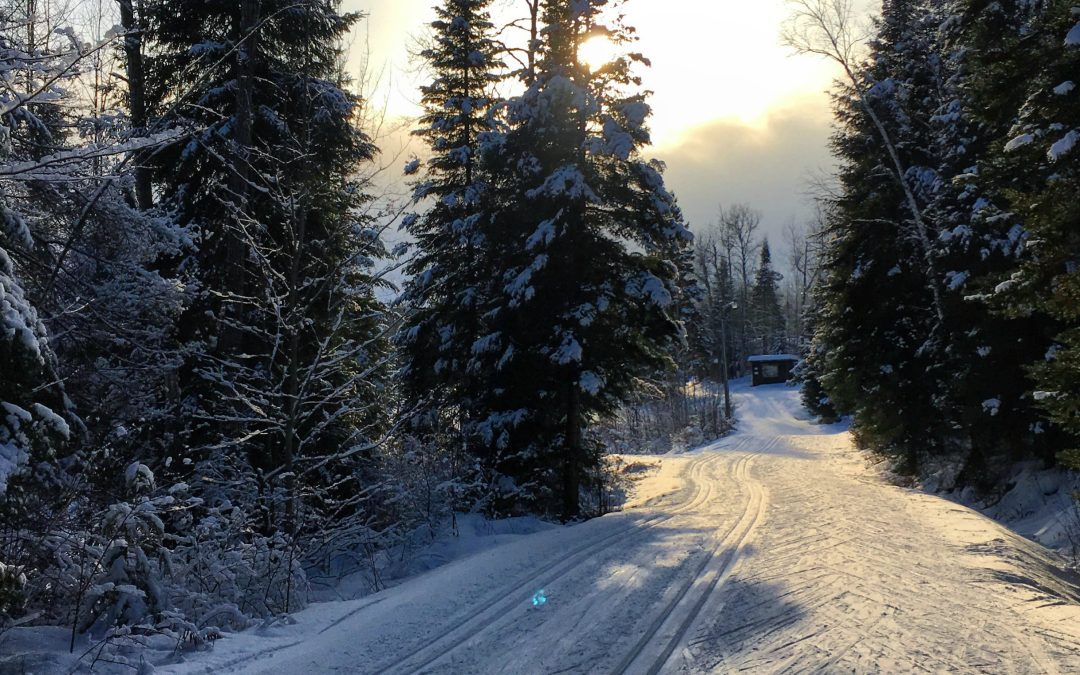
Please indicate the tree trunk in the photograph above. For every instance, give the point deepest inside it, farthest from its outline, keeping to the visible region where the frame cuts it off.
(724, 356)
(292, 377)
(534, 39)
(235, 246)
(574, 451)
(144, 195)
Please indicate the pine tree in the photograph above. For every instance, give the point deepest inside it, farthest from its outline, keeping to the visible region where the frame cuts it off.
(33, 430)
(767, 317)
(1034, 178)
(588, 239)
(39, 430)
(281, 389)
(451, 280)
(33, 404)
(993, 417)
(878, 311)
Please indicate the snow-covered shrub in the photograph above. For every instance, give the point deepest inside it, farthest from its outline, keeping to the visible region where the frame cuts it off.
(666, 416)
(12, 583)
(225, 574)
(607, 487)
(111, 576)
(428, 481)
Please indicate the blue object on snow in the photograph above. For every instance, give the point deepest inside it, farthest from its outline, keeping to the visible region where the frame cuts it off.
(539, 598)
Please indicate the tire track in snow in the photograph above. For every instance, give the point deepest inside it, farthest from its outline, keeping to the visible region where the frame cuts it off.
(522, 587)
(498, 606)
(841, 588)
(670, 628)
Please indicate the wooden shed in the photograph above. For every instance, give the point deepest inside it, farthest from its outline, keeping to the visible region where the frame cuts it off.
(772, 368)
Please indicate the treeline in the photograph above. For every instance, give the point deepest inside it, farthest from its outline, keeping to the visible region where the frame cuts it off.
(205, 398)
(737, 304)
(744, 304)
(948, 319)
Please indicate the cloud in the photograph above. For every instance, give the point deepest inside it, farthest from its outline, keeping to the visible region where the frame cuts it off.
(767, 166)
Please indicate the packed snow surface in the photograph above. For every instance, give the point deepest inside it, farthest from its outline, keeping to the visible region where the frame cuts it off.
(774, 550)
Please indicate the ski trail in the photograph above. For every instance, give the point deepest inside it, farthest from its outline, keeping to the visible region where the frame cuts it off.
(671, 625)
(853, 575)
(442, 646)
(772, 551)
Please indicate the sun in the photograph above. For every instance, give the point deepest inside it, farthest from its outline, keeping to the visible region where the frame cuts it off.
(597, 51)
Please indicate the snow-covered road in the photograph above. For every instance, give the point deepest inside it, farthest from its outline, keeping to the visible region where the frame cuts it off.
(775, 550)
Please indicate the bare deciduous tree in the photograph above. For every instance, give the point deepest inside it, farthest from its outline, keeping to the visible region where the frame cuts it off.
(829, 28)
(738, 235)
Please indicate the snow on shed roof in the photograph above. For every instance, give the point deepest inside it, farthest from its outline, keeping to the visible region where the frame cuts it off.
(773, 357)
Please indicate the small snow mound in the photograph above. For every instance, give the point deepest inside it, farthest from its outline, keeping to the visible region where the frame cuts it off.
(591, 383)
(1073, 38)
(1019, 142)
(1063, 146)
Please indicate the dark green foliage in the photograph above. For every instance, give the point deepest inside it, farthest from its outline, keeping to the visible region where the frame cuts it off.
(283, 338)
(582, 312)
(1035, 179)
(880, 359)
(570, 287)
(953, 85)
(451, 274)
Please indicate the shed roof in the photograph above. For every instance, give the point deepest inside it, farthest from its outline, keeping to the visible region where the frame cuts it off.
(773, 357)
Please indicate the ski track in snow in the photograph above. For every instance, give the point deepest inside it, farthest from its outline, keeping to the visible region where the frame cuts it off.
(779, 552)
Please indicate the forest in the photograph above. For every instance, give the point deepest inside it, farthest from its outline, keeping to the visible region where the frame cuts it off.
(220, 386)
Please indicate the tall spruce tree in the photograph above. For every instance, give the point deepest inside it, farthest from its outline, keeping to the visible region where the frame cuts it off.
(586, 239)
(1034, 175)
(994, 419)
(767, 317)
(450, 276)
(33, 404)
(879, 318)
(278, 394)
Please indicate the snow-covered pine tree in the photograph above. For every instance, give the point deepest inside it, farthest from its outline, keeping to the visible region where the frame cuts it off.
(813, 368)
(450, 280)
(766, 315)
(1035, 175)
(282, 390)
(878, 313)
(33, 406)
(982, 46)
(39, 431)
(586, 249)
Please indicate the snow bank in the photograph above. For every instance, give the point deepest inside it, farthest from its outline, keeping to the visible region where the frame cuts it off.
(1039, 505)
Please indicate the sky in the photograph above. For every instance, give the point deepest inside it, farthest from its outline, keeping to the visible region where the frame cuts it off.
(736, 116)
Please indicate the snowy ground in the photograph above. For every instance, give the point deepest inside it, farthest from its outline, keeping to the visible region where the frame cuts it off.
(775, 550)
